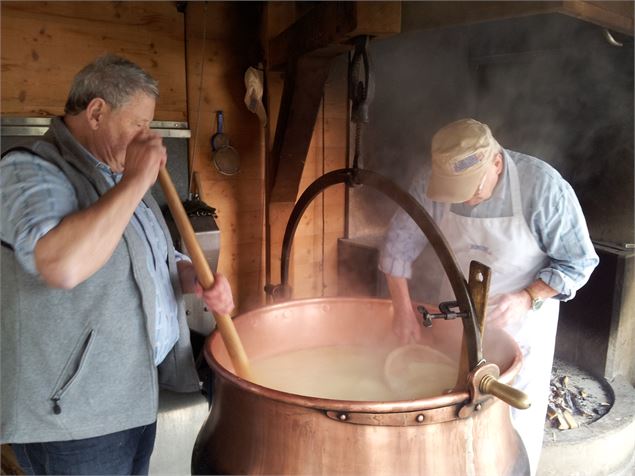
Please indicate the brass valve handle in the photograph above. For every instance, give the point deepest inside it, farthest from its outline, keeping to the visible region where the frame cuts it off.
(506, 393)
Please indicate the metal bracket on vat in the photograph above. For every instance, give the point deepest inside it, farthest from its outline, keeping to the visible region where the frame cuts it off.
(429, 416)
(446, 313)
(279, 292)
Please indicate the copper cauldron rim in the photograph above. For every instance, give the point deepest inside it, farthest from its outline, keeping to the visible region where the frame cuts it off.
(450, 399)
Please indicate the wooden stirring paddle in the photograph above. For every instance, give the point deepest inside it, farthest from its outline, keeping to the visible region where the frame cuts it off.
(204, 275)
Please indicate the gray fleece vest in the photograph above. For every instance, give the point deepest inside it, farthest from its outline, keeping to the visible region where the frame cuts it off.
(79, 363)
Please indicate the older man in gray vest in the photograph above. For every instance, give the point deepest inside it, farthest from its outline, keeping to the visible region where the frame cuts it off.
(92, 313)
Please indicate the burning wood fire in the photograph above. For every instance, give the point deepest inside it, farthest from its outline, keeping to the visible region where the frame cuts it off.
(576, 398)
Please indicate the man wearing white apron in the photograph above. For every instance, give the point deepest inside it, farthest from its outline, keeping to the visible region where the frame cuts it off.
(515, 214)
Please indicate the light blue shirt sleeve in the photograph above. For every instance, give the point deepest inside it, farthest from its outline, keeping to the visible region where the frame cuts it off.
(181, 257)
(35, 196)
(559, 225)
(404, 240)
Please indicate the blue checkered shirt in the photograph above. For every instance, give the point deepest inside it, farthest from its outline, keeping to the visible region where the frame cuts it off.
(549, 206)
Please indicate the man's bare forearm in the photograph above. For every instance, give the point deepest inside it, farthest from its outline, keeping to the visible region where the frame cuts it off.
(84, 241)
(399, 292)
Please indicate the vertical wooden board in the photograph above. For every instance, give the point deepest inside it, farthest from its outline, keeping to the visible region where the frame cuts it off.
(277, 16)
(278, 217)
(323, 222)
(218, 43)
(44, 44)
(334, 157)
(314, 257)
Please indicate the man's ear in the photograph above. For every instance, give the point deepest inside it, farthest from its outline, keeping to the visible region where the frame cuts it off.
(95, 111)
(498, 162)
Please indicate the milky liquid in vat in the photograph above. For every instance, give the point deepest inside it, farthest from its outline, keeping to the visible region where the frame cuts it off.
(352, 373)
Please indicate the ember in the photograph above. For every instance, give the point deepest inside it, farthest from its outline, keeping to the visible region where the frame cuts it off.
(576, 398)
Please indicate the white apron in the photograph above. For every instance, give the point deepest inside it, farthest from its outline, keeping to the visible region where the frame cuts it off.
(508, 247)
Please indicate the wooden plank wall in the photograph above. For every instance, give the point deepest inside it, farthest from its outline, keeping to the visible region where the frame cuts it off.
(314, 260)
(216, 70)
(313, 266)
(44, 44)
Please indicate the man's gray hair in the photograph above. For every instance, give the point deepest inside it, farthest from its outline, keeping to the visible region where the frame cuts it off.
(112, 78)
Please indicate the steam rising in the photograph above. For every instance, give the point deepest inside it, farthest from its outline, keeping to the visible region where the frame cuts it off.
(550, 86)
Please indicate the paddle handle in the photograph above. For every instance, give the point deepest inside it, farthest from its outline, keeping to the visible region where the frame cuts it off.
(204, 275)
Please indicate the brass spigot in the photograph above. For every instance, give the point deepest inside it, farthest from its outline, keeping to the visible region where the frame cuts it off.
(506, 393)
(483, 381)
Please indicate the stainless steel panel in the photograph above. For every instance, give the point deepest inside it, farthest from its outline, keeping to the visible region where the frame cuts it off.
(37, 126)
(199, 318)
(180, 417)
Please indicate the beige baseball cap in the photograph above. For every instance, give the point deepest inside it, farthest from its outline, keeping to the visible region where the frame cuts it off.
(461, 153)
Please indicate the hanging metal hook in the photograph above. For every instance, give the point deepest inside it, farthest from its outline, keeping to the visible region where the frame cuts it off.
(362, 83)
(609, 37)
(361, 90)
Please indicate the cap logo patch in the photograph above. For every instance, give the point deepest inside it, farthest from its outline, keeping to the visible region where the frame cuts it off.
(467, 162)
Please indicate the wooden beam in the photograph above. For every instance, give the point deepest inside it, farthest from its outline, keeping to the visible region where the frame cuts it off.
(306, 49)
(427, 15)
(616, 15)
(301, 99)
(327, 29)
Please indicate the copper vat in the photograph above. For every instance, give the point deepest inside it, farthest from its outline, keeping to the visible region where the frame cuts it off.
(257, 430)
(252, 429)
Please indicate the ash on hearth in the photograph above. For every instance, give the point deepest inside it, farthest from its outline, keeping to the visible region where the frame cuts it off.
(577, 398)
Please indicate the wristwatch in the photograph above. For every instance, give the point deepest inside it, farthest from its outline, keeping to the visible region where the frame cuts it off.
(536, 302)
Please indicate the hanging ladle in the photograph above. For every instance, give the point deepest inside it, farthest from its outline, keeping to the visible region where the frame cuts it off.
(225, 157)
(204, 275)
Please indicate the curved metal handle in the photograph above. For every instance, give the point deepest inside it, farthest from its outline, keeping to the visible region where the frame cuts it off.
(510, 395)
(353, 177)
